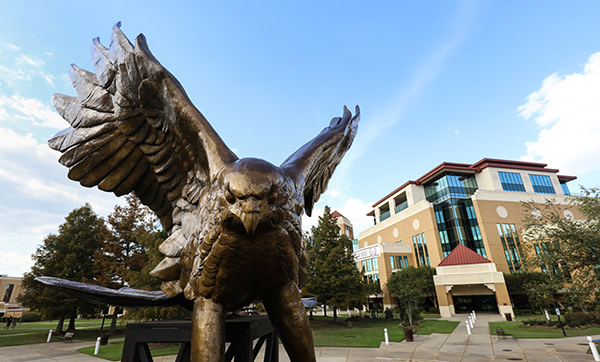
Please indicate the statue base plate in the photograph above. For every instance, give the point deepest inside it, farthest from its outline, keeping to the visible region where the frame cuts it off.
(240, 334)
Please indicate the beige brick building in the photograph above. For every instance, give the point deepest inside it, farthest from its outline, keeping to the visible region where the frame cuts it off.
(475, 205)
(10, 289)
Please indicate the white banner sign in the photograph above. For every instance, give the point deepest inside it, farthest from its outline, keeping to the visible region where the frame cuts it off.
(372, 251)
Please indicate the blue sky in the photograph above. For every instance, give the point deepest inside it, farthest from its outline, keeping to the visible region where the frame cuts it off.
(436, 81)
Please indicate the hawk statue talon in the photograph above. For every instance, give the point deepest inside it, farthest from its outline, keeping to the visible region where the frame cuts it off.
(234, 225)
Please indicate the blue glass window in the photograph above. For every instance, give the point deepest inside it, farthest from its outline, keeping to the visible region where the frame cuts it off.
(542, 184)
(421, 252)
(511, 245)
(565, 189)
(511, 181)
(354, 244)
(450, 186)
(392, 265)
(405, 261)
(375, 266)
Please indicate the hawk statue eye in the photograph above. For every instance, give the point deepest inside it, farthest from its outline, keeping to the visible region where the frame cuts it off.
(273, 197)
(229, 197)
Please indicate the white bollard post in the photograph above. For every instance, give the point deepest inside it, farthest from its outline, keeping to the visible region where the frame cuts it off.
(474, 315)
(97, 349)
(471, 322)
(387, 338)
(594, 349)
(547, 316)
(468, 327)
(49, 336)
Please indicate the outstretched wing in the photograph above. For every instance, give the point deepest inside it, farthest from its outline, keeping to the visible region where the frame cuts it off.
(313, 164)
(133, 128)
(124, 297)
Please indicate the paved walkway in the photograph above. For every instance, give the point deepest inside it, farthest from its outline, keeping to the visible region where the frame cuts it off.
(457, 346)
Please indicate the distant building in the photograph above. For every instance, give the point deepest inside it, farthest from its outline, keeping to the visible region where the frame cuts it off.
(10, 289)
(450, 215)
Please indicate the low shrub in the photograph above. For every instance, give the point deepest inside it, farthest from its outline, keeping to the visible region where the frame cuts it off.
(389, 314)
(534, 322)
(31, 317)
(574, 320)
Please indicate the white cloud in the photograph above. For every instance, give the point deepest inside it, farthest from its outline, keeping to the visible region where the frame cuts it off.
(429, 69)
(13, 263)
(48, 78)
(36, 196)
(567, 110)
(13, 75)
(13, 47)
(353, 209)
(24, 59)
(32, 109)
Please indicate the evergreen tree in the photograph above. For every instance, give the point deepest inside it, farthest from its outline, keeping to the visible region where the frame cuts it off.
(333, 276)
(69, 255)
(125, 251)
(130, 253)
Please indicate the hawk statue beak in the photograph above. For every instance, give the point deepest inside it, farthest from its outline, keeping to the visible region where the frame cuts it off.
(250, 221)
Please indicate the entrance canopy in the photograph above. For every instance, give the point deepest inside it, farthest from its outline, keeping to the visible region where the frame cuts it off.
(465, 273)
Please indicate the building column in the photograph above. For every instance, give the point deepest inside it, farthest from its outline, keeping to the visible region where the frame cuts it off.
(444, 301)
(503, 299)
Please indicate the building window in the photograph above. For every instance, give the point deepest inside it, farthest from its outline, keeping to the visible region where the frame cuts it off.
(354, 244)
(375, 266)
(511, 245)
(399, 262)
(511, 181)
(565, 189)
(542, 184)
(457, 224)
(421, 252)
(450, 186)
(8, 293)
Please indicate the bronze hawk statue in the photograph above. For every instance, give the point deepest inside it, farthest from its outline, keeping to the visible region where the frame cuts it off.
(234, 224)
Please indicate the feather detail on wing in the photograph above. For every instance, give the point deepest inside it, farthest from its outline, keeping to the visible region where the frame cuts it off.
(133, 128)
(313, 164)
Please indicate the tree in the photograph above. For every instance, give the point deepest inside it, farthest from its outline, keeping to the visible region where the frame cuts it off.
(536, 289)
(130, 253)
(125, 251)
(332, 274)
(143, 280)
(411, 286)
(566, 249)
(69, 255)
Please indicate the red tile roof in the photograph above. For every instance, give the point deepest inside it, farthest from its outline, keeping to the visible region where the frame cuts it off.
(476, 168)
(462, 255)
(336, 214)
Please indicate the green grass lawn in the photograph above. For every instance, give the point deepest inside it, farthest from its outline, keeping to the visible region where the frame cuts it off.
(37, 332)
(514, 329)
(368, 332)
(114, 350)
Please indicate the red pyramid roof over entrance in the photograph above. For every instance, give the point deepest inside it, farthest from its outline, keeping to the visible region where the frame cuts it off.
(462, 255)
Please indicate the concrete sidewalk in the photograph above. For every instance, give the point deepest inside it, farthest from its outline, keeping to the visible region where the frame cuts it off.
(457, 346)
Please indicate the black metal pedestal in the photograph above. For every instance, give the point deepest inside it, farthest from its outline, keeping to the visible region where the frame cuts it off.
(239, 332)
